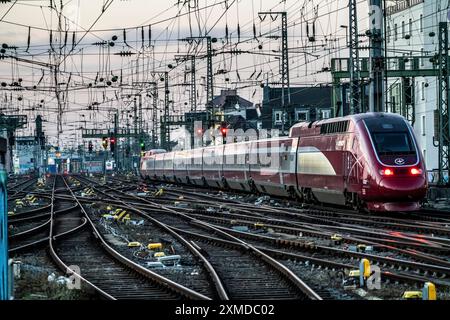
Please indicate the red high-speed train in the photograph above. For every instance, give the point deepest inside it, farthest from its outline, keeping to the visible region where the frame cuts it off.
(369, 161)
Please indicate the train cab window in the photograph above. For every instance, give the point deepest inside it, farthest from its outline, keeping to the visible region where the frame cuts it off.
(393, 143)
(390, 136)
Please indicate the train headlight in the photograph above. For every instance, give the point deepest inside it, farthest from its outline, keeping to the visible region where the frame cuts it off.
(387, 172)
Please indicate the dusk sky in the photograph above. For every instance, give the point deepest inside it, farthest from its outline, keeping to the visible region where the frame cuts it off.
(170, 22)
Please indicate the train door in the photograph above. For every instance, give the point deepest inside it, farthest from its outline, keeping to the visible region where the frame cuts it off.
(352, 167)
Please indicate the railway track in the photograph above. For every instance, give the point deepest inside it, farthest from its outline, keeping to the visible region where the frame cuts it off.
(413, 234)
(415, 271)
(102, 268)
(73, 240)
(246, 260)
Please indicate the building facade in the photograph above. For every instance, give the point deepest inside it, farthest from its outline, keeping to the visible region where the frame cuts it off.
(307, 104)
(412, 30)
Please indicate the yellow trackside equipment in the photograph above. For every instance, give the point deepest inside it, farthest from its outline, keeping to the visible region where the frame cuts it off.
(120, 215)
(154, 246)
(19, 203)
(336, 237)
(134, 244)
(32, 199)
(364, 268)
(159, 193)
(259, 225)
(159, 254)
(412, 295)
(126, 218)
(429, 291)
(354, 273)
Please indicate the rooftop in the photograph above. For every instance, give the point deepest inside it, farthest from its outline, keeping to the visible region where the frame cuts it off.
(402, 5)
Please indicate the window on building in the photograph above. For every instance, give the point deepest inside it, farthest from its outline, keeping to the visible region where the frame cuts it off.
(278, 116)
(421, 23)
(422, 90)
(388, 34)
(326, 114)
(302, 115)
(422, 60)
(395, 32)
(403, 29)
(424, 126)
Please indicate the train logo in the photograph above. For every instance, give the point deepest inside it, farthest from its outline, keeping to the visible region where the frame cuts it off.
(400, 161)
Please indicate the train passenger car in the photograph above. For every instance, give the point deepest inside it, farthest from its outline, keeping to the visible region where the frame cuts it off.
(148, 163)
(236, 166)
(180, 161)
(274, 171)
(213, 166)
(195, 167)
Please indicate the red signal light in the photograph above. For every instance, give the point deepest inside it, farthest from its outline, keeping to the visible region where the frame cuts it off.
(112, 140)
(415, 171)
(224, 131)
(387, 172)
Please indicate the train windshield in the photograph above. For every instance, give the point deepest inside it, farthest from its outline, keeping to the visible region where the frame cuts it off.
(389, 143)
(390, 136)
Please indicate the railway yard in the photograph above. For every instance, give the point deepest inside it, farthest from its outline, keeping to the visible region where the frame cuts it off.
(119, 237)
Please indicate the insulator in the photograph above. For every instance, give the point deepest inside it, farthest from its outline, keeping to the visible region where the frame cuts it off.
(73, 41)
(239, 32)
(226, 32)
(29, 39)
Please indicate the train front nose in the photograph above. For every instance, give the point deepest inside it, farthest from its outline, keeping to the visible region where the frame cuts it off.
(403, 188)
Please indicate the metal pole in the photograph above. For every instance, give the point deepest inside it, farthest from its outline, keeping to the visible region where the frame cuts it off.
(4, 284)
(166, 112)
(210, 80)
(444, 104)
(116, 149)
(285, 81)
(193, 86)
(285, 67)
(376, 93)
(354, 59)
(155, 115)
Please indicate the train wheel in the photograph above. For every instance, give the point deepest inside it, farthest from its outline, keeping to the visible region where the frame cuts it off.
(225, 184)
(359, 205)
(293, 194)
(308, 196)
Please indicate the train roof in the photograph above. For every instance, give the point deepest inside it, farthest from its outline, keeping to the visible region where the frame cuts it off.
(314, 127)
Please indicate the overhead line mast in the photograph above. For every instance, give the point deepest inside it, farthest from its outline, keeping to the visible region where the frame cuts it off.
(285, 80)
(355, 105)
